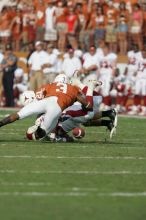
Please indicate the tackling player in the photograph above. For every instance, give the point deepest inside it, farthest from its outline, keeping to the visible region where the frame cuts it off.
(74, 115)
(55, 98)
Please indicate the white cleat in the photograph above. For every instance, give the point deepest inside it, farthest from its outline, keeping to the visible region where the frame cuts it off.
(114, 118)
(113, 131)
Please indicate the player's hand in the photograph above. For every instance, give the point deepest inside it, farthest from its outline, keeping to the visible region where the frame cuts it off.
(76, 82)
(92, 84)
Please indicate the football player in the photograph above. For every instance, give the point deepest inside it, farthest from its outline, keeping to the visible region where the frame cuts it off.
(74, 115)
(55, 98)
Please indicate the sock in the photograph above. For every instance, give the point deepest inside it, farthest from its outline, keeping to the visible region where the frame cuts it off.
(137, 100)
(107, 100)
(60, 131)
(5, 121)
(106, 113)
(105, 122)
(144, 101)
(125, 99)
(97, 123)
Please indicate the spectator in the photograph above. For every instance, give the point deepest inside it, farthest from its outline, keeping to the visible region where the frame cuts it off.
(16, 29)
(32, 24)
(111, 33)
(122, 28)
(97, 23)
(83, 18)
(100, 47)
(71, 63)
(9, 65)
(25, 26)
(40, 23)
(90, 65)
(5, 20)
(72, 23)
(144, 23)
(49, 64)
(61, 25)
(35, 63)
(136, 23)
(31, 49)
(50, 18)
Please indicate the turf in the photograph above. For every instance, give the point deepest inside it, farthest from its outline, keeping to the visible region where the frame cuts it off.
(93, 178)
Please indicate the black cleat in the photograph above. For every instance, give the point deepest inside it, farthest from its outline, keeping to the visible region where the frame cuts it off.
(113, 117)
(64, 138)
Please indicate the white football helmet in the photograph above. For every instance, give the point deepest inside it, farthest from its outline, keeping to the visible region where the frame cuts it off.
(61, 78)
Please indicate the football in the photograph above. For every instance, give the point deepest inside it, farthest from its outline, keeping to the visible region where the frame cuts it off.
(27, 97)
(78, 133)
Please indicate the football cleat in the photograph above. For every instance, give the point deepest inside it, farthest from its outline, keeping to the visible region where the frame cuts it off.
(113, 116)
(111, 128)
(64, 139)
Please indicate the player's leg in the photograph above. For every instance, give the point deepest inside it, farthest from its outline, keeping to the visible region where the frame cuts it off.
(99, 122)
(112, 114)
(51, 116)
(7, 120)
(102, 122)
(48, 121)
(71, 123)
(137, 98)
(66, 126)
(35, 107)
(143, 92)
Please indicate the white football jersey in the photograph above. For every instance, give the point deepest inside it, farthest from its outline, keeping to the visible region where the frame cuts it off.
(90, 60)
(134, 60)
(141, 72)
(106, 64)
(107, 61)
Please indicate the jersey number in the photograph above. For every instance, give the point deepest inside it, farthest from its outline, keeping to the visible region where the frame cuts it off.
(62, 87)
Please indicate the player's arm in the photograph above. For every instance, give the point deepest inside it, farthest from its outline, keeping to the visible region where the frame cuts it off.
(86, 104)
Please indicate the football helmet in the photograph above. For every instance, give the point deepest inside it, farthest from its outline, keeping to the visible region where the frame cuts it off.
(61, 78)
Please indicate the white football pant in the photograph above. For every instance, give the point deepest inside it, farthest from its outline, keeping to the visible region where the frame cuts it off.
(49, 107)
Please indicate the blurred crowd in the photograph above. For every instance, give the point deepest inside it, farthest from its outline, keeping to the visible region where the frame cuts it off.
(123, 85)
(80, 23)
(82, 40)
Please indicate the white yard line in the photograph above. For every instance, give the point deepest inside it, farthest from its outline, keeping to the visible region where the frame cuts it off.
(73, 157)
(55, 145)
(76, 172)
(44, 194)
(25, 184)
(73, 194)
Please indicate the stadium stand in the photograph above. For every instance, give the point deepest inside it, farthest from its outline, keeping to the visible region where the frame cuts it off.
(70, 24)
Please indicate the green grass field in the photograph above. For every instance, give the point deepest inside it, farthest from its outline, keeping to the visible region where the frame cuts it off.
(91, 179)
